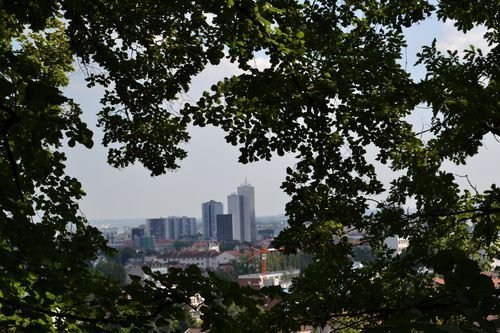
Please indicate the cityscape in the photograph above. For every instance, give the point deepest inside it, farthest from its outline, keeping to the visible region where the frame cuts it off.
(232, 243)
(222, 239)
(237, 224)
(249, 166)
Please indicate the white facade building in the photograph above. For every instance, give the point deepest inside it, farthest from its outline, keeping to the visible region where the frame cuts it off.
(241, 206)
(248, 225)
(396, 243)
(235, 208)
(210, 260)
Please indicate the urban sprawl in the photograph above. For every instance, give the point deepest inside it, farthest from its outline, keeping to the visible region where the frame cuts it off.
(233, 244)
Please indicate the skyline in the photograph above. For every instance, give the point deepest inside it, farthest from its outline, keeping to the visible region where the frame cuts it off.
(137, 222)
(209, 210)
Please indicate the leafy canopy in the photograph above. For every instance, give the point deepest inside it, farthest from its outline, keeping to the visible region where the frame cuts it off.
(336, 86)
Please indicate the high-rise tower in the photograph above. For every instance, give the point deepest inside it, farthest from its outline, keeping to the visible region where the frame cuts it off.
(156, 228)
(241, 206)
(225, 228)
(209, 212)
(235, 208)
(248, 226)
(181, 227)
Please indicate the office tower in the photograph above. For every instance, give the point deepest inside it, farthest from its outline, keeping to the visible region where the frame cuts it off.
(235, 209)
(156, 228)
(224, 227)
(209, 212)
(248, 226)
(242, 208)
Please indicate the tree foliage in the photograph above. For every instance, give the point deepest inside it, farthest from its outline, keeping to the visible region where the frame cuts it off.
(180, 244)
(335, 88)
(113, 270)
(276, 261)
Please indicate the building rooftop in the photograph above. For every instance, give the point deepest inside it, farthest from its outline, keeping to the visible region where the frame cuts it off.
(189, 254)
(294, 272)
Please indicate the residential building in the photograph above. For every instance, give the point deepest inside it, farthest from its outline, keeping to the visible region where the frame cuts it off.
(203, 259)
(156, 228)
(396, 243)
(204, 246)
(209, 212)
(225, 258)
(135, 269)
(258, 280)
(164, 245)
(189, 227)
(180, 227)
(117, 237)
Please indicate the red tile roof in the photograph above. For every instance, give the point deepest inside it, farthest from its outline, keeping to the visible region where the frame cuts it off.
(189, 254)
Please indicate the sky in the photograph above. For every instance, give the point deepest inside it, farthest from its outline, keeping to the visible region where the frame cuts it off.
(211, 171)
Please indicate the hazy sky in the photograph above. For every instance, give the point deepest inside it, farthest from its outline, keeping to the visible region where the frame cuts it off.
(211, 170)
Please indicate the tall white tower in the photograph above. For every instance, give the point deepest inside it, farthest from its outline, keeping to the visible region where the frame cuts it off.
(248, 226)
(209, 212)
(235, 208)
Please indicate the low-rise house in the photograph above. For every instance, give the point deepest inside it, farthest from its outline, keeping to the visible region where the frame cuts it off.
(135, 269)
(235, 253)
(207, 260)
(202, 259)
(258, 280)
(205, 246)
(225, 258)
(164, 245)
(396, 243)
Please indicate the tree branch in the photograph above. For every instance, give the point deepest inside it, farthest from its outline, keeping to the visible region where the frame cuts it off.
(483, 211)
